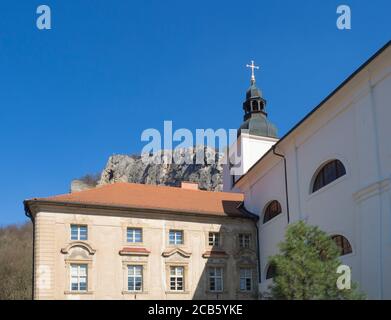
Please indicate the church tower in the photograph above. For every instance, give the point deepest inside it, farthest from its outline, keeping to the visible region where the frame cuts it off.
(255, 136)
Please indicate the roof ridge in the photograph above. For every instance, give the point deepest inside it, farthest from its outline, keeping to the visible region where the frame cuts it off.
(138, 185)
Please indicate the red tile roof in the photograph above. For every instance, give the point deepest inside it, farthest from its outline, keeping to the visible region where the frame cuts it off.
(142, 196)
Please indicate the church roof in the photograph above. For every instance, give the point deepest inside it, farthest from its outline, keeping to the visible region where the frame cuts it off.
(152, 198)
(253, 92)
(258, 125)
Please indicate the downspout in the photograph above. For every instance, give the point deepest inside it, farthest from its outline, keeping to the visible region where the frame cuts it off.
(28, 215)
(286, 181)
(258, 253)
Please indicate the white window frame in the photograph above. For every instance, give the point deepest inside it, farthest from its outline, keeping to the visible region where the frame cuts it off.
(132, 273)
(244, 275)
(174, 277)
(78, 276)
(212, 237)
(244, 240)
(78, 227)
(216, 278)
(176, 238)
(132, 238)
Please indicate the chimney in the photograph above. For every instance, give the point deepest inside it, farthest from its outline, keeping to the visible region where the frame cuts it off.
(189, 185)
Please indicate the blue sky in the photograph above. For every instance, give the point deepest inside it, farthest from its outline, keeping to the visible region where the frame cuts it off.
(72, 96)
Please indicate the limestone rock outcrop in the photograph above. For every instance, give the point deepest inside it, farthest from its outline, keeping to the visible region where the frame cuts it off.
(147, 169)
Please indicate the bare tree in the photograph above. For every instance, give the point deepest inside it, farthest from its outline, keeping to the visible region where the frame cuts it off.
(16, 250)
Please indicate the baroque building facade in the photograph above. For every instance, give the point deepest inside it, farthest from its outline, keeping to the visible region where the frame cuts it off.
(134, 241)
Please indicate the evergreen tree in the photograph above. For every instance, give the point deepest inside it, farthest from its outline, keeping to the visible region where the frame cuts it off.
(307, 266)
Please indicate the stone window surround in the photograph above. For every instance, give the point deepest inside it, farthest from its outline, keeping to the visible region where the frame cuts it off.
(216, 265)
(221, 239)
(254, 281)
(79, 221)
(90, 284)
(124, 229)
(184, 237)
(145, 276)
(186, 286)
(252, 240)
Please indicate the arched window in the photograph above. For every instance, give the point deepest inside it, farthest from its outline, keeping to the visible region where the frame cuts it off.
(331, 171)
(272, 210)
(343, 244)
(271, 271)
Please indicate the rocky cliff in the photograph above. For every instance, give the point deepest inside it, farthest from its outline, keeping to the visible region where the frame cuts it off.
(147, 169)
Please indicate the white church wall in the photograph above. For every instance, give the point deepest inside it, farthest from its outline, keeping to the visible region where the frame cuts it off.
(381, 96)
(254, 147)
(353, 126)
(259, 193)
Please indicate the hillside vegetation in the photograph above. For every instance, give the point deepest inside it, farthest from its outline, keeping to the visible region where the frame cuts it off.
(16, 251)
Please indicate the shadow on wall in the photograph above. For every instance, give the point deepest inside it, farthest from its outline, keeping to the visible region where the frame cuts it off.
(230, 257)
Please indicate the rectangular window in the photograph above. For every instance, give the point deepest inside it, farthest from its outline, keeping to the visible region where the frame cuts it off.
(177, 278)
(245, 279)
(79, 277)
(214, 239)
(176, 237)
(134, 235)
(215, 279)
(79, 232)
(135, 278)
(244, 240)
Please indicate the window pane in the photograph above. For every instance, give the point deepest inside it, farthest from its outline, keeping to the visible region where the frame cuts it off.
(343, 244)
(179, 237)
(134, 235)
(78, 274)
(138, 270)
(78, 232)
(83, 230)
(74, 271)
(245, 279)
(318, 182)
(214, 239)
(219, 284)
(172, 237)
(330, 173)
(135, 278)
(248, 284)
(138, 237)
(74, 232)
(212, 285)
(176, 237)
(244, 240)
(83, 270)
(242, 284)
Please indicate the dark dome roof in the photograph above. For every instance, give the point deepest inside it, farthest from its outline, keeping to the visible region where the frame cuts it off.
(258, 125)
(253, 92)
